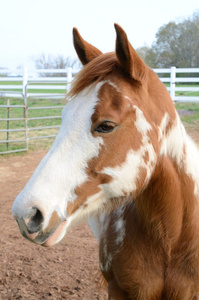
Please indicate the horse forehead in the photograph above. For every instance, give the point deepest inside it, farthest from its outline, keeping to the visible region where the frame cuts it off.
(87, 101)
(112, 93)
(111, 102)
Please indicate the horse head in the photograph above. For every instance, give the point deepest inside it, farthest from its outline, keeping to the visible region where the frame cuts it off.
(107, 147)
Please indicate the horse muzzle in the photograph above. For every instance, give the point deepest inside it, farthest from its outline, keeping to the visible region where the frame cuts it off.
(31, 226)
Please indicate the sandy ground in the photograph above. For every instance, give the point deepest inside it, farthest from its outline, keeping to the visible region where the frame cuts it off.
(28, 271)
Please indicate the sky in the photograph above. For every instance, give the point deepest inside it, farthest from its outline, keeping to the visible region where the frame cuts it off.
(31, 27)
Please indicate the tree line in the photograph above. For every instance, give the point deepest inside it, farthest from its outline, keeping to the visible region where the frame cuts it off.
(176, 44)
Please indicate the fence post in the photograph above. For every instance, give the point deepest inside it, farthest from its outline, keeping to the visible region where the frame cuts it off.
(173, 83)
(8, 125)
(25, 82)
(26, 119)
(69, 76)
(25, 79)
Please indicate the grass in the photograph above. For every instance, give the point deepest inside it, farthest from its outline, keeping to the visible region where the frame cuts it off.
(189, 112)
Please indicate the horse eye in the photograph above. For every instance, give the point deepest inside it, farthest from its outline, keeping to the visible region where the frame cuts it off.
(105, 127)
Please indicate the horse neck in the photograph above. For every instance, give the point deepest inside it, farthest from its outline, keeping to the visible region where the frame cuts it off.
(171, 198)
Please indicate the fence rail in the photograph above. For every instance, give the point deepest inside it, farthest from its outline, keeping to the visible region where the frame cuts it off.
(25, 85)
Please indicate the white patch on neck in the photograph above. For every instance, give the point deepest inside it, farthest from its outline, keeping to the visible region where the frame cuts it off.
(162, 128)
(120, 225)
(108, 260)
(172, 142)
(99, 224)
(180, 148)
(192, 163)
(103, 222)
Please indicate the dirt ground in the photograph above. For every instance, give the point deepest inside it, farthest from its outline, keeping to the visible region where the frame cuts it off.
(68, 270)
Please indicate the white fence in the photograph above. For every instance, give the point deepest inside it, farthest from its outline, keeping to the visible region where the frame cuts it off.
(41, 84)
(34, 78)
(181, 83)
(168, 76)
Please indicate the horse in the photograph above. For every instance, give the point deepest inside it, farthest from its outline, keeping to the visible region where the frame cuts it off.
(123, 161)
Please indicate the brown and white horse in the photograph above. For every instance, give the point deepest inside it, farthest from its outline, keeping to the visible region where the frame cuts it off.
(123, 160)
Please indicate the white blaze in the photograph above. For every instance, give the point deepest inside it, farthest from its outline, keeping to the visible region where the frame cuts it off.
(64, 167)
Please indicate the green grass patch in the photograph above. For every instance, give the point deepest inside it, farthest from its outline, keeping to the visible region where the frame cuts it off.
(189, 113)
(187, 106)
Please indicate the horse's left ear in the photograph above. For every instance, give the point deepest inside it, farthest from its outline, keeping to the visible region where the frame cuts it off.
(127, 56)
(85, 51)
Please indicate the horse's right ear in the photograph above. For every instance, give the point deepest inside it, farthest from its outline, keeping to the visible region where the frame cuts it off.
(85, 51)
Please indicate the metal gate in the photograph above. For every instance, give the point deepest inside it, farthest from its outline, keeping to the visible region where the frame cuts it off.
(12, 135)
(16, 129)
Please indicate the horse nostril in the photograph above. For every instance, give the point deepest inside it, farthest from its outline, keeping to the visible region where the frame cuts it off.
(33, 220)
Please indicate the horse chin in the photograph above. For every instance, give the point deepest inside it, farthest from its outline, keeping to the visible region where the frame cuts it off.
(56, 236)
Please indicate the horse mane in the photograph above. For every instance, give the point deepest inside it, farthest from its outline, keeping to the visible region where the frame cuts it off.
(93, 72)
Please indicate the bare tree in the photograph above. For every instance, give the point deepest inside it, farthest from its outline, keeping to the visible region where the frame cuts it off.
(44, 61)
